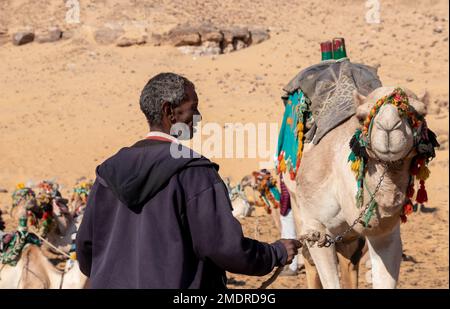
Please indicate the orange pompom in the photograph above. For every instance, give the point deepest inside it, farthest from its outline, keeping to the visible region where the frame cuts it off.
(407, 208)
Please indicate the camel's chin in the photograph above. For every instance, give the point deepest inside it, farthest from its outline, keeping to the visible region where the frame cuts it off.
(387, 212)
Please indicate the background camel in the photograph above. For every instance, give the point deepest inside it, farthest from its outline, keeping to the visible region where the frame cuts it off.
(326, 190)
(242, 205)
(34, 271)
(78, 200)
(56, 239)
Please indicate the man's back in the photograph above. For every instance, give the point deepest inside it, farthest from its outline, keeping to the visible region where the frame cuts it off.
(153, 221)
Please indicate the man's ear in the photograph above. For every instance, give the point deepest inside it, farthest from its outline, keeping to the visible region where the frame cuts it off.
(167, 111)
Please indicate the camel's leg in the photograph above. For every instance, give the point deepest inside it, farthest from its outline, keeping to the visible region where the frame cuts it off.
(349, 256)
(312, 276)
(386, 256)
(325, 259)
(349, 272)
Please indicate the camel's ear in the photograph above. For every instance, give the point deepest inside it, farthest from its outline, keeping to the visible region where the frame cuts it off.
(358, 98)
(421, 103)
(246, 180)
(425, 98)
(362, 109)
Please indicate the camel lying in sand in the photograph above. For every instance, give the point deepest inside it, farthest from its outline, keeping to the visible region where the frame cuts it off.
(242, 206)
(57, 236)
(34, 271)
(326, 188)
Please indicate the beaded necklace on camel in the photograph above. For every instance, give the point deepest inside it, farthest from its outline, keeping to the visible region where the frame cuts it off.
(425, 142)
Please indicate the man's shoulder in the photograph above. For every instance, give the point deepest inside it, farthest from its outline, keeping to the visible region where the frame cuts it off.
(199, 175)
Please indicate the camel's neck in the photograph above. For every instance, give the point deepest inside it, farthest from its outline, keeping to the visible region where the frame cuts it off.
(392, 193)
(60, 235)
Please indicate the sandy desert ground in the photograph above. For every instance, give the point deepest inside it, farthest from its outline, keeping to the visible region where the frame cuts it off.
(67, 106)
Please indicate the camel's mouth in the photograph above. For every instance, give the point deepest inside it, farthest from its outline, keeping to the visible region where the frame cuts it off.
(390, 155)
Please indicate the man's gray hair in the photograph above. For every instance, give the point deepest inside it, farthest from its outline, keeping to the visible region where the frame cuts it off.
(164, 87)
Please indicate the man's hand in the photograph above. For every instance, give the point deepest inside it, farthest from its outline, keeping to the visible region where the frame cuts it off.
(292, 246)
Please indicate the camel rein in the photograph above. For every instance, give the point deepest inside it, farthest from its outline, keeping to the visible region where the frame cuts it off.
(325, 240)
(59, 251)
(51, 245)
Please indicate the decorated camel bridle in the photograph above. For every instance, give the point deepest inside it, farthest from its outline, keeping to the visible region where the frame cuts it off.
(424, 144)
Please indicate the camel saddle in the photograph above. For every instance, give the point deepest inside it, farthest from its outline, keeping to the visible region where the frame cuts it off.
(329, 85)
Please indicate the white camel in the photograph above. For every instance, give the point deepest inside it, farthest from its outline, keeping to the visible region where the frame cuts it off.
(326, 189)
(57, 241)
(242, 206)
(34, 271)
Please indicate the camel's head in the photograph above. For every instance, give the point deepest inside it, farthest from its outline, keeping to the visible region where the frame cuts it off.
(390, 128)
(80, 194)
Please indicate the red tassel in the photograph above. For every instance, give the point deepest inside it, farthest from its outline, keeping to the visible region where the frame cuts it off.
(410, 191)
(415, 168)
(292, 174)
(403, 218)
(422, 195)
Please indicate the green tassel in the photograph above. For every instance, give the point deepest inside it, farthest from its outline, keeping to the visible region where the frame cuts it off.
(359, 196)
(352, 157)
(370, 212)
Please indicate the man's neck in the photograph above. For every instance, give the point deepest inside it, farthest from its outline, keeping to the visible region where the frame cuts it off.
(161, 134)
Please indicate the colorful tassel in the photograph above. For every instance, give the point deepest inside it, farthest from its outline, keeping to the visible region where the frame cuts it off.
(423, 172)
(408, 208)
(356, 165)
(415, 167)
(282, 166)
(73, 255)
(422, 195)
(403, 218)
(292, 174)
(352, 157)
(410, 191)
(370, 212)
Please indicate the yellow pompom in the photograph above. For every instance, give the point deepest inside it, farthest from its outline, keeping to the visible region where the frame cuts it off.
(73, 255)
(423, 173)
(20, 185)
(355, 165)
(282, 165)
